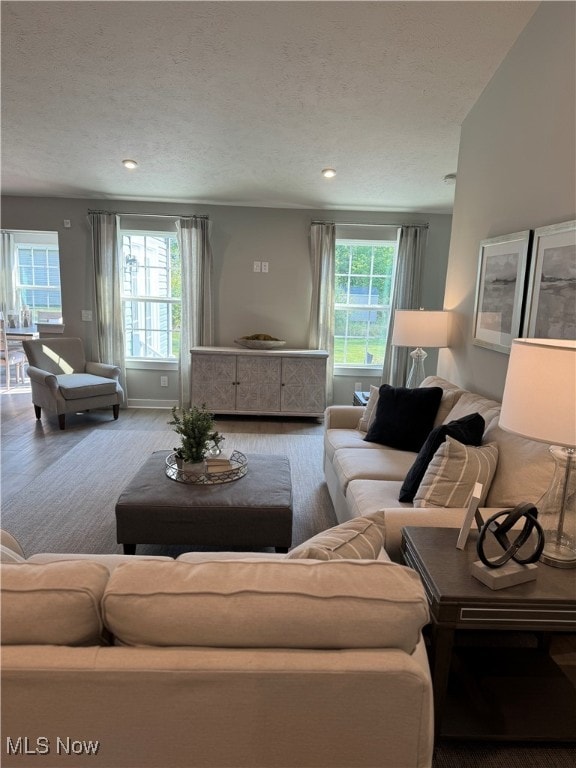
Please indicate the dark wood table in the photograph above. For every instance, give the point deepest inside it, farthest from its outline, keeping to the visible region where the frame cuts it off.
(498, 682)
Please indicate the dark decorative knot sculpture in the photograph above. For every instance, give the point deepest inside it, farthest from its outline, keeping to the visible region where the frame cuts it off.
(500, 533)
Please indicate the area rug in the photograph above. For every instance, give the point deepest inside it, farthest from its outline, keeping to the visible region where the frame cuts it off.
(70, 506)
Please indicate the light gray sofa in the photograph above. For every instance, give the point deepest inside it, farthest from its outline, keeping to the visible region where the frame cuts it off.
(365, 477)
(213, 661)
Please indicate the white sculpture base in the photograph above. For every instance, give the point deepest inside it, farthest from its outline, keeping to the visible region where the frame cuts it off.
(507, 575)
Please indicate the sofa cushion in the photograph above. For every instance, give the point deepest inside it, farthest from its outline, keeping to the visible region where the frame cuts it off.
(369, 414)
(450, 395)
(363, 497)
(108, 561)
(404, 417)
(524, 470)
(9, 555)
(287, 604)
(383, 464)
(451, 475)
(53, 604)
(77, 386)
(468, 430)
(470, 402)
(334, 439)
(361, 538)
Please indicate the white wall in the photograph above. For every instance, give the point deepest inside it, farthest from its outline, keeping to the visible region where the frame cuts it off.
(277, 303)
(516, 171)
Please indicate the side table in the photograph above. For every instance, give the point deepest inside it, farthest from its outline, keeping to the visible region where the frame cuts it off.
(492, 690)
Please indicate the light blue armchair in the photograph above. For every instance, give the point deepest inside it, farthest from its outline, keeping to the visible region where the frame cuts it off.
(64, 382)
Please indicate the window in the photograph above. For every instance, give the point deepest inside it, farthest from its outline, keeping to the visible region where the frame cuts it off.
(38, 274)
(364, 283)
(151, 295)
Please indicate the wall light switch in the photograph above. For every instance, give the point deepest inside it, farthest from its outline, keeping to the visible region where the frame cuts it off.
(257, 266)
(264, 266)
(87, 315)
(163, 381)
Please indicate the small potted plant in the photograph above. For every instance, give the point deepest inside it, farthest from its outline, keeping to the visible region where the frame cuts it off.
(198, 434)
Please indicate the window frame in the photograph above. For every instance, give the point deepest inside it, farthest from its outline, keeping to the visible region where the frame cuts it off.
(362, 368)
(146, 299)
(37, 240)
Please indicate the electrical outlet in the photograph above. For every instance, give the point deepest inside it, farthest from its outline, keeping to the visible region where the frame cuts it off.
(67, 224)
(358, 386)
(264, 266)
(257, 266)
(163, 381)
(87, 315)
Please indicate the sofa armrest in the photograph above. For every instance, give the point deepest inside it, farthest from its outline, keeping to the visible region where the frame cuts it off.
(103, 369)
(43, 377)
(343, 416)
(437, 517)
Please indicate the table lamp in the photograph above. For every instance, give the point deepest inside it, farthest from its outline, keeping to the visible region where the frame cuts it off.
(419, 328)
(539, 403)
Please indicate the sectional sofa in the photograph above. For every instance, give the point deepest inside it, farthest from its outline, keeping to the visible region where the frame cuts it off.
(364, 477)
(311, 659)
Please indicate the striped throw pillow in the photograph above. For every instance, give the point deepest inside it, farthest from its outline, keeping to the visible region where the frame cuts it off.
(359, 539)
(451, 475)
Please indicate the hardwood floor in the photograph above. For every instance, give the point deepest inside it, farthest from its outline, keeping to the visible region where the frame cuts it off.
(28, 446)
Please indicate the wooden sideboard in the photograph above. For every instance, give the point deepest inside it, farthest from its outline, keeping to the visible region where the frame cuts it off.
(275, 382)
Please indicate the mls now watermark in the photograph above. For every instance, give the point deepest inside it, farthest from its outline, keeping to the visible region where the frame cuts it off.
(24, 745)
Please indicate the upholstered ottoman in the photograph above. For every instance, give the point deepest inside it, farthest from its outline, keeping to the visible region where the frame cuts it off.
(252, 512)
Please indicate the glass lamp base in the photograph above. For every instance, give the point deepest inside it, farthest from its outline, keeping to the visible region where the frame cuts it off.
(417, 373)
(557, 511)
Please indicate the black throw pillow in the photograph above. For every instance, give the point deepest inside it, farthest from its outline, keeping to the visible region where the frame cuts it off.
(468, 430)
(404, 417)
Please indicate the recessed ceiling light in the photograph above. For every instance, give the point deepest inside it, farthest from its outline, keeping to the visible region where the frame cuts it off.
(328, 173)
(130, 164)
(450, 178)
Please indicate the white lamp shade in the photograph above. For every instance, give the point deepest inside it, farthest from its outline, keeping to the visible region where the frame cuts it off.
(539, 400)
(420, 328)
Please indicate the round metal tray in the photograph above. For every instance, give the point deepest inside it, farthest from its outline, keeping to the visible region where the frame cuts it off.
(239, 468)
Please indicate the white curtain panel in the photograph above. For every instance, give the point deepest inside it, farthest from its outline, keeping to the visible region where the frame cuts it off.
(108, 344)
(197, 314)
(407, 295)
(9, 301)
(321, 328)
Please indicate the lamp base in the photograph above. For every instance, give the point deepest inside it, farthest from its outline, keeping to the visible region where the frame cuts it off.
(417, 373)
(557, 511)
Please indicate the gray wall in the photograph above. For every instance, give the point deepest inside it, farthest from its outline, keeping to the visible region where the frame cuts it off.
(277, 302)
(516, 171)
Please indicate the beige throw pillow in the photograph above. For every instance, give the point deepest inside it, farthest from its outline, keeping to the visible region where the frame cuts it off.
(370, 411)
(360, 539)
(451, 475)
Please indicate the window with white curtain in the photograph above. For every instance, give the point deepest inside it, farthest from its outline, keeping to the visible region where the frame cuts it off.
(38, 274)
(364, 277)
(151, 295)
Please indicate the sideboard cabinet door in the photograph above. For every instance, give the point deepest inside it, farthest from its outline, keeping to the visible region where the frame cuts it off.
(258, 383)
(214, 382)
(303, 385)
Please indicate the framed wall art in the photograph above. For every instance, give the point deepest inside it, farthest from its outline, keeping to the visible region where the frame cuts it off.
(500, 290)
(551, 299)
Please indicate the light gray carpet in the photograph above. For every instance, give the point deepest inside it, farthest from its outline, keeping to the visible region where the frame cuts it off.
(70, 506)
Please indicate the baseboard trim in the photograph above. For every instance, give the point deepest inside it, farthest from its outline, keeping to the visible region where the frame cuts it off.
(141, 403)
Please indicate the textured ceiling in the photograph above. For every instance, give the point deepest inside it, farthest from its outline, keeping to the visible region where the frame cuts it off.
(244, 103)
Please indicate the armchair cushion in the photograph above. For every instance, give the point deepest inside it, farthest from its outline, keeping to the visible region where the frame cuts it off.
(76, 386)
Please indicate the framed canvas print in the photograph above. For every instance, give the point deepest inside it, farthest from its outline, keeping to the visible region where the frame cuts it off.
(551, 301)
(500, 290)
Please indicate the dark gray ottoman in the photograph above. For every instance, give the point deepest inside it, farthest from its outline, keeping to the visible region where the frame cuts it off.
(252, 512)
